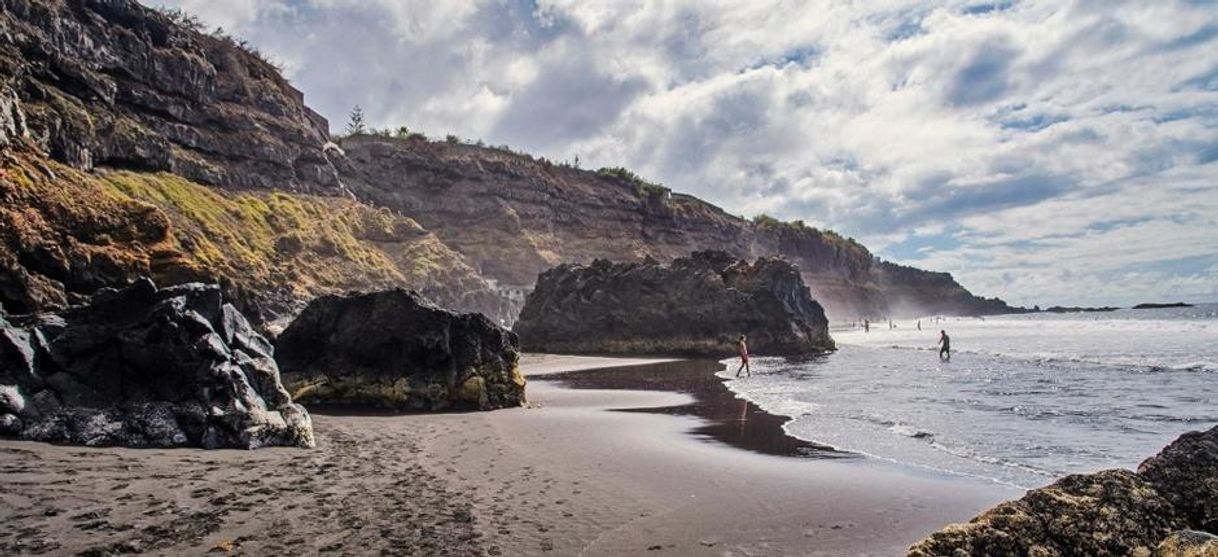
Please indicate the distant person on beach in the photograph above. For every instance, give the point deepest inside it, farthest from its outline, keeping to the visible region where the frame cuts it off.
(919, 324)
(866, 326)
(945, 346)
(743, 349)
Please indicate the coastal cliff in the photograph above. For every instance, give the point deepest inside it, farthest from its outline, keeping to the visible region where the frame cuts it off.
(696, 306)
(514, 216)
(114, 84)
(211, 167)
(131, 144)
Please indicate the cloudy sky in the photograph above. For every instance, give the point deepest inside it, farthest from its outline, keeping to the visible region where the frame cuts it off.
(1042, 151)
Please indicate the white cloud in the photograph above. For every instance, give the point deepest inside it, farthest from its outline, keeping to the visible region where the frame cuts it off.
(1005, 145)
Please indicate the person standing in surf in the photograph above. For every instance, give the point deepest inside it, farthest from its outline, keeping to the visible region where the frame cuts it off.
(743, 349)
(945, 346)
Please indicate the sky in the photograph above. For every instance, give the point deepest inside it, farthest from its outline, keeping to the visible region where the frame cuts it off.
(1046, 152)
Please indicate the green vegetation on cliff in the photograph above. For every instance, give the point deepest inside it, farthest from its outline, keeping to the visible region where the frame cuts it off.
(798, 227)
(73, 231)
(642, 188)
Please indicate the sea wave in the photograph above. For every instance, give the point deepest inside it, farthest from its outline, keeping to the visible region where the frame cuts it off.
(1198, 366)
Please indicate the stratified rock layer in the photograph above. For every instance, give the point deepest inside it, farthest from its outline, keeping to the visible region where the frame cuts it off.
(395, 349)
(698, 305)
(113, 83)
(143, 367)
(1109, 513)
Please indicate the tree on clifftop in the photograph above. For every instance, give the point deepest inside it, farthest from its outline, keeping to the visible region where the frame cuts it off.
(355, 124)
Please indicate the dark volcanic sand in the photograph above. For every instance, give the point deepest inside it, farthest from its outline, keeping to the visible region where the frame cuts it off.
(569, 475)
(360, 492)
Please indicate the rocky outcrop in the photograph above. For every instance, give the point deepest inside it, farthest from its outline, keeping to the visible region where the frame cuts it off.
(699, 305)
(143, 367)
(110, 83)
(1110, 513)
(395, 349)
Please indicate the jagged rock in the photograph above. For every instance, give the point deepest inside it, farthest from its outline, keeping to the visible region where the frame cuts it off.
(698, 306)
(143, 367)
(1109, 513)
(395, 349)
(1188, 543)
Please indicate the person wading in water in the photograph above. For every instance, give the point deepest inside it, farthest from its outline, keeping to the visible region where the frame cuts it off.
(743, 349)
(945, 348)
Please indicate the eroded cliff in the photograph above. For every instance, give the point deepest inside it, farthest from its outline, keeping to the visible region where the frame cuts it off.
(114, 84)
(515, 216)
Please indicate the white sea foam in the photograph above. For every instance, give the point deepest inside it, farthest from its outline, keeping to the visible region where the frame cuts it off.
(1026, 398)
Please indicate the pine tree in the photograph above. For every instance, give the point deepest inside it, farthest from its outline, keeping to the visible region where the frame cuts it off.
(355, 124)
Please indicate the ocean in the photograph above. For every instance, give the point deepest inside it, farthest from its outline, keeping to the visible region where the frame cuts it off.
(1024, 400)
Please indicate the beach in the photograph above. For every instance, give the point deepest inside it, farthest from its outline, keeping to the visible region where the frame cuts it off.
(687, 470)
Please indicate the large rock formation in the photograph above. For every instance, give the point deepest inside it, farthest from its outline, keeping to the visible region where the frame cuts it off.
(395, 349)
(143, 367)
(699, 305)
(1110, 513)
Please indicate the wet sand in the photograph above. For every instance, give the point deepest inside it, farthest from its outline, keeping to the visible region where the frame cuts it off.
(685, 470)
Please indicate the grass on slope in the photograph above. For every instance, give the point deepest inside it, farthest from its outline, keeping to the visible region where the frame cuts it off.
(173, 229)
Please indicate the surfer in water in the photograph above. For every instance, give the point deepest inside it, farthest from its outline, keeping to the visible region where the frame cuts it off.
(743, 349)
(945, 346)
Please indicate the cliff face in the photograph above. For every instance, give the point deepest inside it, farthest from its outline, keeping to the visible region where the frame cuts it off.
(698, 305)
(109, 83)
(514, 216)
(207, 165)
